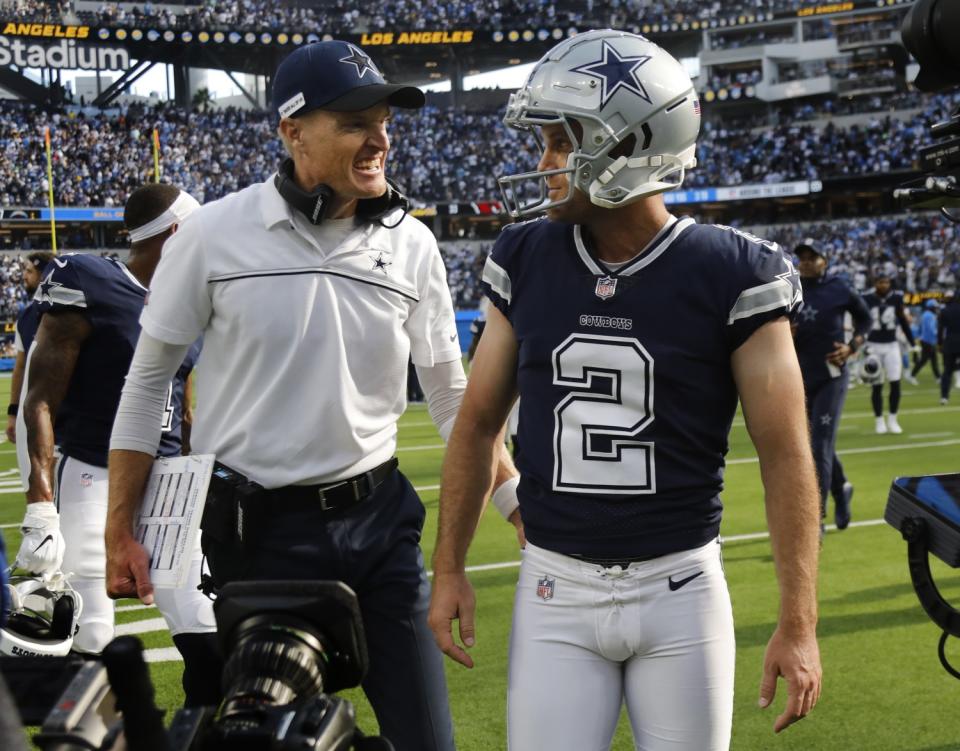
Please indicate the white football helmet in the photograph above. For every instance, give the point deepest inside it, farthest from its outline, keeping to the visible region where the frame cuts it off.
(43, 617)
(622, 89)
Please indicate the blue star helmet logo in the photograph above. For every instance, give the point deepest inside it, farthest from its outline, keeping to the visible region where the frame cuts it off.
(362, 62)
(615, 73)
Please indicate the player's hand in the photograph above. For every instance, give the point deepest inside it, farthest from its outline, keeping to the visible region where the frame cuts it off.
(517, 522)
(452, 600)
(42, 546)
(128, 570)
(797, 659)
(839, 354)
(11, 428)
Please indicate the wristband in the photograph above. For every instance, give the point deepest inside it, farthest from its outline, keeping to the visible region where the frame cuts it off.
(12, 410)
(505, 497)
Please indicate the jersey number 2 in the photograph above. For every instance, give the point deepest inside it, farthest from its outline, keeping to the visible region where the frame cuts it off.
(610, 402)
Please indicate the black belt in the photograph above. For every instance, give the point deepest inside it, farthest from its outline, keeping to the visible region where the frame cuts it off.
(611, 562)
(337, 496)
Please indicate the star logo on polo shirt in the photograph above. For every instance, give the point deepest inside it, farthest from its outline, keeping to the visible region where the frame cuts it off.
(808, 314)
(361, 61)
(615, 73)
(826, 419)
(380, 264)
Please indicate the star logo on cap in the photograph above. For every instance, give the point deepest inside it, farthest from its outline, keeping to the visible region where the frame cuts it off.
(615, 73)
(362, 62)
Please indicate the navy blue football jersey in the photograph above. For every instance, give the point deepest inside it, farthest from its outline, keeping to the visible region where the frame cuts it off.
(27, 324)
(626, 388)
(819, 324)
(111, 298)
(170, 438)
(887, 313)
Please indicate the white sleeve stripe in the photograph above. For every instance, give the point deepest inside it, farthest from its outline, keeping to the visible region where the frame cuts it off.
(761, 299)
(65, 296)
(498, 279)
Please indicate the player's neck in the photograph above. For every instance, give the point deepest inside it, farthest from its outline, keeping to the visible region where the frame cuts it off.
(620, 234)
(142, 264)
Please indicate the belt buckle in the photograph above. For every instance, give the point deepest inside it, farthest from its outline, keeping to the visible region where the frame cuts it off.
(322, 495)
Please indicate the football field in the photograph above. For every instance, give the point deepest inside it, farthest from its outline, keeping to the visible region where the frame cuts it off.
(884, 689)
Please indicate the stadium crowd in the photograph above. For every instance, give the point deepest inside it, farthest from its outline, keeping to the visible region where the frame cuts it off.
(438, 154)
(338, 16)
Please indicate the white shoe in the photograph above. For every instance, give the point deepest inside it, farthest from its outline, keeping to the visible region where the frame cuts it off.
(943, 401)
(881, 426)
(956, 381)
(912, 380)
(892, 425)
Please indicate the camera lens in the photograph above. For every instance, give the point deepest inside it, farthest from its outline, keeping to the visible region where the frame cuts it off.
(276, 660)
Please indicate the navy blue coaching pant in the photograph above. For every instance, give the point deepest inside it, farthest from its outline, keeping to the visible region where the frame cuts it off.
(374, 548)
(824, 405)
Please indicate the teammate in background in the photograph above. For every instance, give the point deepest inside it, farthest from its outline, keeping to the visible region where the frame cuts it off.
(949, 338)
(625, 421)
(823, 354)
(887, 314)
(91, 306)
(27, 322)
(928, 339)
(312, 288)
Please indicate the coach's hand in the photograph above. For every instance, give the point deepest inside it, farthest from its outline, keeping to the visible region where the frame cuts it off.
(453, 599)
(796, 657)
(128, 570)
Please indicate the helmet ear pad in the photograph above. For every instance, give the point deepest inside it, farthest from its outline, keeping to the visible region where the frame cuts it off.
(61, 625)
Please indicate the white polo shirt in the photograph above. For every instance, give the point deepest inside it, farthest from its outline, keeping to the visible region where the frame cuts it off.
(304, 366)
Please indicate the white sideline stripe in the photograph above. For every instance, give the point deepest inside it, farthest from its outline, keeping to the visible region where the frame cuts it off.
(744, 460)
(162, 654)
(425, 447)
(170, 654)
(867, 450)
(918, 436)
(131, 608)
(732, 538)
(141, 627)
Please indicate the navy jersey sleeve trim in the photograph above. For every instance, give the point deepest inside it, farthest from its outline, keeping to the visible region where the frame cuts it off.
(762, 299)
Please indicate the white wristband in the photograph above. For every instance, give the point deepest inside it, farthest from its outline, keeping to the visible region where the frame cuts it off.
(505, 497)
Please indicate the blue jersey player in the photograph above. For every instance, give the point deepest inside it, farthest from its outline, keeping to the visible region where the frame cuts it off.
(823, 354)
(887, 315)
(629, 335)
(88, 332)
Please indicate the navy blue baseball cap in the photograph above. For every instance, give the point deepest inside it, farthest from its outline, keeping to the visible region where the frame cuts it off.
(813, 246)
(336, 76)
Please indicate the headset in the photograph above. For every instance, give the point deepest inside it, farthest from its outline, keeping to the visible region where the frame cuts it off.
(313, 204)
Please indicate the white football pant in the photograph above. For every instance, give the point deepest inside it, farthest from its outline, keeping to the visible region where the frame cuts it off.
(81, 495)
(658, 635)
(890, 357)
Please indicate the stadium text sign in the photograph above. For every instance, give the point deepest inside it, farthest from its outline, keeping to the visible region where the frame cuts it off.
(66, 54)
(416, 37)
(823, 10)
(49, 30)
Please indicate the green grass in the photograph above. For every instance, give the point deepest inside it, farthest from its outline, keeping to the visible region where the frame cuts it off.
(884, 688)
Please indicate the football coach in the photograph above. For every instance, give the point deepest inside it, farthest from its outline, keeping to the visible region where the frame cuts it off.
(311, 290)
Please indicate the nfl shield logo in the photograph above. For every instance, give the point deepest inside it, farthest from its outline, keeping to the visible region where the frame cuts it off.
(606, 287)
(86, 479)
(545, 588)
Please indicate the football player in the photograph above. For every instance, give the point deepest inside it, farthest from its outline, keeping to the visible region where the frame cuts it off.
(27, 321)
(823, 354)
(887, 314)
(626, 412)
(90, 309)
